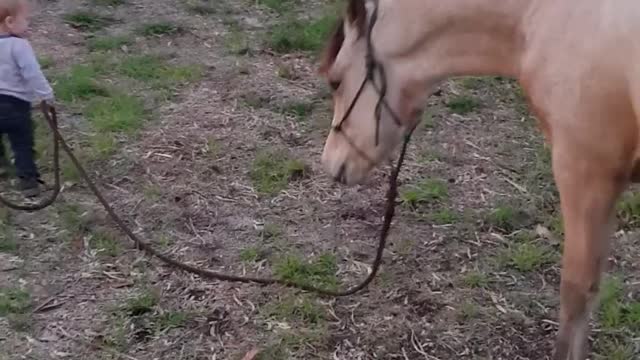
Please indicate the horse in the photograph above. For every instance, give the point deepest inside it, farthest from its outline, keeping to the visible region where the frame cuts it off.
(578, 63)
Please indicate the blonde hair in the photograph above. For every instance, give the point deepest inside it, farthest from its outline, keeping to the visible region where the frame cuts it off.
(10, 8)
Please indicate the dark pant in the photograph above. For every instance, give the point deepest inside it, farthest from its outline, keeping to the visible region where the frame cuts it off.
(16, 123)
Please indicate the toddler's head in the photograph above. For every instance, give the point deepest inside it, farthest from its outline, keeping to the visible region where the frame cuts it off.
(14, 16)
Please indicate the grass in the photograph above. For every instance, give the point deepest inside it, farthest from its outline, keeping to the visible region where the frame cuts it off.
(463, 104)
(506, 218)
(619, 318)
(107, 43)
(154, 71)
(171, 320)
(87, 20)
(271, 231)
(301, 110)
(320, 271)
(105, 243)
(425, 191)
(297, 308)
(102, 146)
(250, 254)
(271, 172)
(8, 243)
(140, 304)
(236, 41)
(109, 2)
(159, 28)
(79, 83)
(73, 219)
(527, 256)
(15, 305)
(14, 301)
(296, 35)
(46, 62)
(628, 210)
(204, 7)
(475, 279)
(119, 113)
(444, 217)
(279, 6)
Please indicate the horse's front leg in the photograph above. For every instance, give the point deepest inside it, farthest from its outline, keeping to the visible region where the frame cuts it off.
(588, 191)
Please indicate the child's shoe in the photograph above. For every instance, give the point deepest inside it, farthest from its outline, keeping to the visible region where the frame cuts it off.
(30, 187)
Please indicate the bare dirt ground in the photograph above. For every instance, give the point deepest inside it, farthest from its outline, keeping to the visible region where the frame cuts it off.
(203, 122)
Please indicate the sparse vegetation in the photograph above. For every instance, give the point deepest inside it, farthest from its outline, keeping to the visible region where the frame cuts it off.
(321, 271)
(106, 43)
(463, 104)
(88, 20)
(272, 171)
(190, 162)
(119, 113)
(425, 191)
(296, 35)
(160, 28)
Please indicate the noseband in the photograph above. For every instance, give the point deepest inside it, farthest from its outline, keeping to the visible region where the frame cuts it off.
(373, 66)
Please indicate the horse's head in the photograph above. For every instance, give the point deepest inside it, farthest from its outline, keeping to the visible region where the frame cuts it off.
(364, 136)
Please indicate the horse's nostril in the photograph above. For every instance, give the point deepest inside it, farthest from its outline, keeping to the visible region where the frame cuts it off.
(340, 176)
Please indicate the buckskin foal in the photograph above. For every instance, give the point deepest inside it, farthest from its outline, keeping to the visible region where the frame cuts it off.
(579, 64)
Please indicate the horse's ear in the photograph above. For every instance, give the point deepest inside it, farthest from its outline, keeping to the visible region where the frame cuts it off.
(331, 51)
(357, 13)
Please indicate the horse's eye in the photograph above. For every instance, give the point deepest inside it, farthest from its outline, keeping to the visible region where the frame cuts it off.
(334, 85)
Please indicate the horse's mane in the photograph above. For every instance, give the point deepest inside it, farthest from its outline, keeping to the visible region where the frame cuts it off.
(356, 15)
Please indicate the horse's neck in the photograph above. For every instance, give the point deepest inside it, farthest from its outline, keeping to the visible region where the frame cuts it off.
(461, 37)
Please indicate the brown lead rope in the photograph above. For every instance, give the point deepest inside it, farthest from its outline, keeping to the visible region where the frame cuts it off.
(51, 117)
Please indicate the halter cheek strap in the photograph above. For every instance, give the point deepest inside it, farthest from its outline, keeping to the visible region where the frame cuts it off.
(373, 66)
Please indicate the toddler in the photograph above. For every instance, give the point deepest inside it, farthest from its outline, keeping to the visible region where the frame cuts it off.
(21, 83)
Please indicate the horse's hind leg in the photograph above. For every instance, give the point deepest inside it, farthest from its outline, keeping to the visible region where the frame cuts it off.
(588, 191)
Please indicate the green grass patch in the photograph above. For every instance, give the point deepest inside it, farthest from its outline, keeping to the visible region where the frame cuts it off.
(171, 320)
(301, 309)
(8, 243)
(236, 41)
(444, 217)
(102, 146)
(109, 2)
(46, 62)
(140, 304)
(628, 210)
(425, 191)
(619, 317)
(154, 71)
(271, 172)
(14, 301)
(507, 219)
(206, 7)
(279, 6)
(250, 254)
(105, 243)
(119, 113)
(72, 218)
(320, 271)
(296, 35)
(475, 279)
(159, 28)
(87, 20)
(79, 83)
(107, 43)
(301, 110)
(463, 104)
(527, 256)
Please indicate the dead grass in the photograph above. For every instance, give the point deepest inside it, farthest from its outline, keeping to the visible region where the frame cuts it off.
(224, 174)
